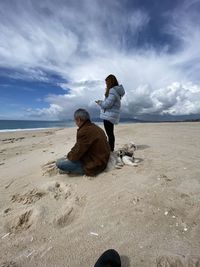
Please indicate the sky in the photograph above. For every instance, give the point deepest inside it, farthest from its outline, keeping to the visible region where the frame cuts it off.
(55, 56)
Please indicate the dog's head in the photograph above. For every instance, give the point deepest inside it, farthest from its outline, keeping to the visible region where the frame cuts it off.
(132, 146)
(129, 149)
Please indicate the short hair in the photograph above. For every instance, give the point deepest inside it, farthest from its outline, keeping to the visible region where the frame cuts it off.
(82, 114)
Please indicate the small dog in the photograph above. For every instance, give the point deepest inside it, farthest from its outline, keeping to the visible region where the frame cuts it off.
(125, 155)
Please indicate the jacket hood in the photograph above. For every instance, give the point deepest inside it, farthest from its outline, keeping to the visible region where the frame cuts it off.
(119, 90)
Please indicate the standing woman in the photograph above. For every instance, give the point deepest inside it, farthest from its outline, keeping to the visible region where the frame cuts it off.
(110, 107)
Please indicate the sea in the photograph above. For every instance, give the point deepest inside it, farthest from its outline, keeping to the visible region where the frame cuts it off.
(24, 125)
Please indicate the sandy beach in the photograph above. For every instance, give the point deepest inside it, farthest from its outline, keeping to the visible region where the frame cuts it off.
(150, 213)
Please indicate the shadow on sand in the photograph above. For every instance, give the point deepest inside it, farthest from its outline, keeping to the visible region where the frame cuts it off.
(125, 261)
(142, 147)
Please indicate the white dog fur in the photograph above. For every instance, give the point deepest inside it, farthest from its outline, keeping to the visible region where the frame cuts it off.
(123, 156)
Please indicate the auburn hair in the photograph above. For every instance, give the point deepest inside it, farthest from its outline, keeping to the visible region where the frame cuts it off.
(111, 81)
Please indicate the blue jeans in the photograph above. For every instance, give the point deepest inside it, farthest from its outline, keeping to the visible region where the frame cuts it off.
(70, 166)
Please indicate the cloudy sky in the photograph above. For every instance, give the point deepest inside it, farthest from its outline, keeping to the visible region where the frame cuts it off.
(55, 55)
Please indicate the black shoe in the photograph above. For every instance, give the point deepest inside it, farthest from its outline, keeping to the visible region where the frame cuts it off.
(110, 258)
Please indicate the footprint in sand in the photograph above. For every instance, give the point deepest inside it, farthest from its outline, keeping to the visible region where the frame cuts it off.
(21, 222)
(59, 190)
(70, 212)
(169, 261)
(178, 261)
(165, 178)
(9, 264)
(66, 217)
(70, 205)
(73, 204)
(70, 208)
(28, 198)
(26, 219)
(193, 261)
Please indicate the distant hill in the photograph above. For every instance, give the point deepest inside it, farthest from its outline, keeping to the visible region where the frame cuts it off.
(130, 120)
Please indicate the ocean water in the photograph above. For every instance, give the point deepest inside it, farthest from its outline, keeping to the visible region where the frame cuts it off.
(19, 125)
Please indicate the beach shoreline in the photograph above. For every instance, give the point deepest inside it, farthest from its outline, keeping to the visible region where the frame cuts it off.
(144, 212)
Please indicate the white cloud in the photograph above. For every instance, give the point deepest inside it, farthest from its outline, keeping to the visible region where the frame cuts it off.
(86, 42)
(52, 112)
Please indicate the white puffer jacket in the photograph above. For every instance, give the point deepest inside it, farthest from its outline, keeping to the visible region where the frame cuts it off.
(110, 107)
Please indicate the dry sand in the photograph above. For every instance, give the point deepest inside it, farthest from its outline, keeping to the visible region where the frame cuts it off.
(149, 213)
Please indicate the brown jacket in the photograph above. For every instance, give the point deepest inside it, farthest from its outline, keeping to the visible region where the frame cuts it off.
(91, 148)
